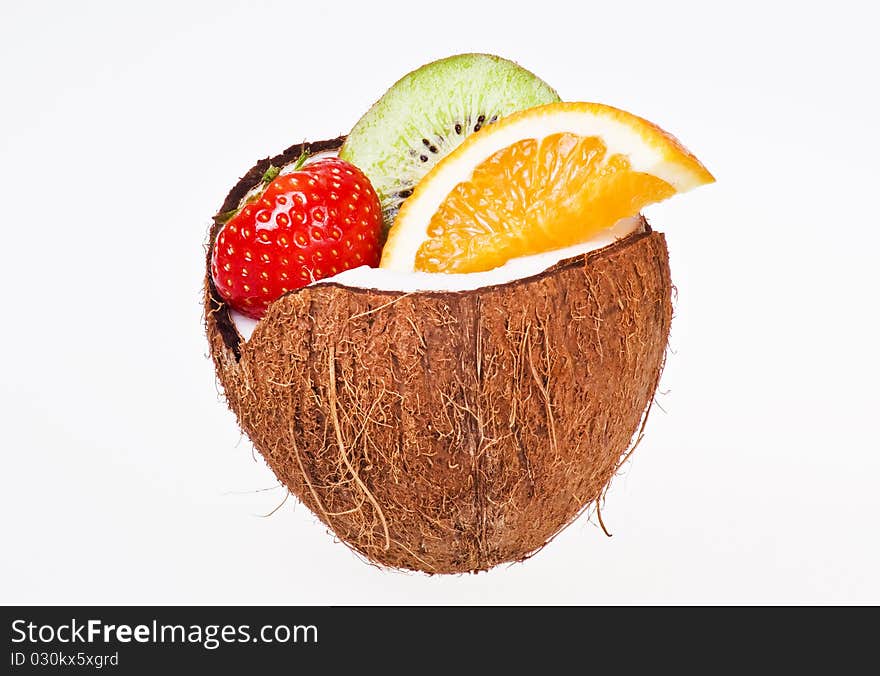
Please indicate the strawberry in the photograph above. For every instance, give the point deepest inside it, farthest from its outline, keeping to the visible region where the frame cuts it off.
(311, 223)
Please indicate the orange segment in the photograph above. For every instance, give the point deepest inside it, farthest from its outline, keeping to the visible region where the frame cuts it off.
(542, 179)
(534, 196)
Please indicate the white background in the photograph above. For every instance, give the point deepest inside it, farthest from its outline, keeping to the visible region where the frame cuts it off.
(124, 478)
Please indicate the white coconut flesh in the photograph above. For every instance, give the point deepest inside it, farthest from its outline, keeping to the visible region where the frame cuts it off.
(381, 279)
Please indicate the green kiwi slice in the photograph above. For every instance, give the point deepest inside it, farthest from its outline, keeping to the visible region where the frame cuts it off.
(429, 112)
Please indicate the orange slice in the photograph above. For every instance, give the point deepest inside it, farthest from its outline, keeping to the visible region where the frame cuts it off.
(538, 180)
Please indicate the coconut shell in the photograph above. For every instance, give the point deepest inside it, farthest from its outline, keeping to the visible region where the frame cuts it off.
(450, 432)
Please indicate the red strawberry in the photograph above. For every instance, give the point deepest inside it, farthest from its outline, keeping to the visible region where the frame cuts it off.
(306, 225)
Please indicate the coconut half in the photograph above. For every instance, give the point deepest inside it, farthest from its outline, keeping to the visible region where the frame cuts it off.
(449, 431)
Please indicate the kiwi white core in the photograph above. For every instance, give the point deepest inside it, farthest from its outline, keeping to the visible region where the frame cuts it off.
(382, 279)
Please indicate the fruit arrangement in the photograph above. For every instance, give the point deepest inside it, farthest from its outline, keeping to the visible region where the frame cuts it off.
(458, 316)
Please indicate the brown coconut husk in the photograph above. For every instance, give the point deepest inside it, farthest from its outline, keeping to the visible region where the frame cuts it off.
(450, 432)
